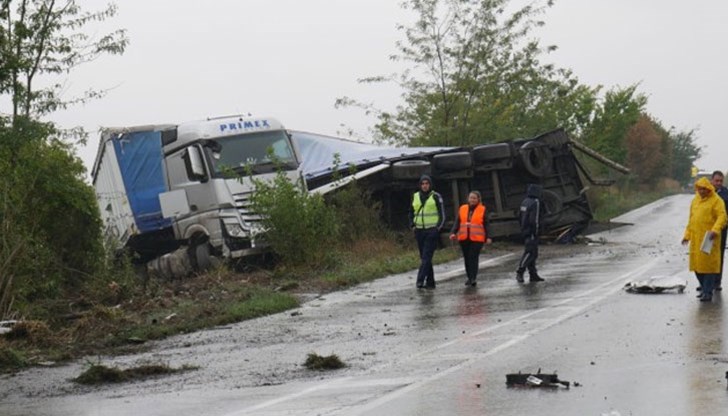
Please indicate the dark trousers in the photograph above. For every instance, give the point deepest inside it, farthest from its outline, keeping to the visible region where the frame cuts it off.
(471, 255)
(530, 254)
(426, 243)
(707, 282)
(719, 279)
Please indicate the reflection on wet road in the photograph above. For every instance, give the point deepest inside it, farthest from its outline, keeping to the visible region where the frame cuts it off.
(447, 351)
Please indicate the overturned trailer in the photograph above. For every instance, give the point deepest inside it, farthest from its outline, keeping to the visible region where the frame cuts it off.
(500, 171)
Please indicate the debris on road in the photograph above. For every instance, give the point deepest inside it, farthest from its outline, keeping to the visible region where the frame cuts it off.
(101, 374)
(318, 362)
(535, 380)
(656, 284)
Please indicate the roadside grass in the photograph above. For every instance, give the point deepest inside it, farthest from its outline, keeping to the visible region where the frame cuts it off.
(98, 374)
(608, 204)
(161, 310)
(11, 358)
(155, 309)
(226, 305)
(371, 259)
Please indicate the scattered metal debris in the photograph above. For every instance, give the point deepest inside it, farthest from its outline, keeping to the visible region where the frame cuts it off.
(656, 284)
(535, 380)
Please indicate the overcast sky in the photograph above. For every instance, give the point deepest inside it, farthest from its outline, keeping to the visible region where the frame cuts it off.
(291, 59)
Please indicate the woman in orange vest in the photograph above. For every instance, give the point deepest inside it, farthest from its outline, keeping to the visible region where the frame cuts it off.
(471, 230)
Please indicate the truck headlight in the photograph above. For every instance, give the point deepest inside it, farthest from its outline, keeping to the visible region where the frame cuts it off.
(235, 230)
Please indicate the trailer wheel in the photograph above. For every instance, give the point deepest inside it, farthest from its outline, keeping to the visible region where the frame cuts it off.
(553, 207)
(410, 169)
(202, 256)
(448, 162)
(488, 152)
(537, 158)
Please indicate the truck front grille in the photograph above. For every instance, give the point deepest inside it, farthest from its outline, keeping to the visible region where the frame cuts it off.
(251, 220)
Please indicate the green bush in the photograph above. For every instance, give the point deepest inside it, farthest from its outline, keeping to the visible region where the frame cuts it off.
(49, 222)
(300, 228)
(358, 214)
(307, 230)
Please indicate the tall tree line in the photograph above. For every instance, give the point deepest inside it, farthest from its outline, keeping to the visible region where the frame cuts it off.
(476, 73)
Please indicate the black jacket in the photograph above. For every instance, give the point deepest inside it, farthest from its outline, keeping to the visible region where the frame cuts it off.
(531, 212)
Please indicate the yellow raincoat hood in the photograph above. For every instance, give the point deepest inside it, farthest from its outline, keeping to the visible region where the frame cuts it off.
(704, 183)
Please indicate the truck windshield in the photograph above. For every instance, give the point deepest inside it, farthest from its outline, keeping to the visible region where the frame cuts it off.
(254, 150)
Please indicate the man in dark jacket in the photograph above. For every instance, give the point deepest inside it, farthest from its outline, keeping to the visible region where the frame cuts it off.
(426, 218)
(531, 212)
(716, 180)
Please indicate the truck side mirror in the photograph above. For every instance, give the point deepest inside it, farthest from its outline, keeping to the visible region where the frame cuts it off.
(195, 164)
(214, 146)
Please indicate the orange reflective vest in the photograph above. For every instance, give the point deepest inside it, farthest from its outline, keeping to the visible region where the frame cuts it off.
(473, 229)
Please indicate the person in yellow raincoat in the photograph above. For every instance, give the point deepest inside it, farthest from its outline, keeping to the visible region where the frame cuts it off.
(707, 219)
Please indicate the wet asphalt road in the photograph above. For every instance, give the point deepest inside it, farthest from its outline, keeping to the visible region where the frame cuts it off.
(447, 351)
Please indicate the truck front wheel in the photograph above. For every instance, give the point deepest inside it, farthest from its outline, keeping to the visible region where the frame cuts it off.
(201, 256)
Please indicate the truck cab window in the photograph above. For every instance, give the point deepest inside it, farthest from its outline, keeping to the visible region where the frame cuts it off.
(261, 152)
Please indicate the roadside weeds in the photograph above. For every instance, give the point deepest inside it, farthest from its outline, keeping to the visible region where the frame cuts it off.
(79, 327)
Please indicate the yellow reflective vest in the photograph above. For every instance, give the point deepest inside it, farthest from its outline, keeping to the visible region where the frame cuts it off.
(426, 215)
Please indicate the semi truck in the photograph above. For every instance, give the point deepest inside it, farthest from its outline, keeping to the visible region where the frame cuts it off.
(172, 194)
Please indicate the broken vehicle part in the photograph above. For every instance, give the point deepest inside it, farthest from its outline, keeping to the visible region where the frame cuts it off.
(535, 380)
(656, 284)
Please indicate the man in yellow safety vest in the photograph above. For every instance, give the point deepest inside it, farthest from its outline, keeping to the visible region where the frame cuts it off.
(426, 218)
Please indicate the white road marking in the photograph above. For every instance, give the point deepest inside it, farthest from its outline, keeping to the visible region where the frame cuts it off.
(269, 403)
